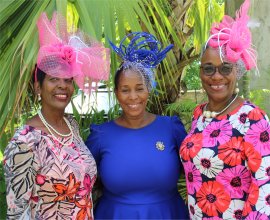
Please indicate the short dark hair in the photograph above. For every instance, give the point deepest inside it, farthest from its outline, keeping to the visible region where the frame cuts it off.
(117, 76)
(38, 76)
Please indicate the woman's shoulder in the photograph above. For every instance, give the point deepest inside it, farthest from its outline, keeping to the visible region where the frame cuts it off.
(24, 139)
(97, 128)
(167, 118)
(252, 110)
(26, 133)
(171, 121)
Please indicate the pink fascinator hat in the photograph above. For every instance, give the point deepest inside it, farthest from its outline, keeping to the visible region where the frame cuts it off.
(232, 38)
(66, 55)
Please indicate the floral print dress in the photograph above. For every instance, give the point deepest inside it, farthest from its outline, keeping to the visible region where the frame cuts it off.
(227, 165)
(46, 180)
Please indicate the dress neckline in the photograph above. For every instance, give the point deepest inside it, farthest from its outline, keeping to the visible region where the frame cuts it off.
(234, 111)
(41, 131)
(136, 129)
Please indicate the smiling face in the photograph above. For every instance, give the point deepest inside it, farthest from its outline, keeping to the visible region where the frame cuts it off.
(219, 88)
(132, 94)
(55, 92)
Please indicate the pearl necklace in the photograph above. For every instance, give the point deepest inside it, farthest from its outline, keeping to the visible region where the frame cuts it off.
(50, 128)
(213, 114)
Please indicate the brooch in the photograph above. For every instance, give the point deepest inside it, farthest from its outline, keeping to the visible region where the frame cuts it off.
(160, 145)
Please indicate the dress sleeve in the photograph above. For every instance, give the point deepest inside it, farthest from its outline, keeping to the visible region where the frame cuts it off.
(19, 163)
(93, 142)
(179, 132)
(257, 153)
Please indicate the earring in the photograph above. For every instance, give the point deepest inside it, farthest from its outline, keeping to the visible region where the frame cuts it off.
(39, 97)
(236, 90)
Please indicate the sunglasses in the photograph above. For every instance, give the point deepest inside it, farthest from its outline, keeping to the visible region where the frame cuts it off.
(224, 69)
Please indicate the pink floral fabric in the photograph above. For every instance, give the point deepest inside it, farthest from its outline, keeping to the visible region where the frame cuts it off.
(46, 180)
(227, 165)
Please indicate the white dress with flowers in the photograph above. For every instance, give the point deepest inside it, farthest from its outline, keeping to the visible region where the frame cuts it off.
(46, 180)
(227, 165)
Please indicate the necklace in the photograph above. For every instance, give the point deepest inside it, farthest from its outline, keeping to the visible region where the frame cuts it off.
(50, 128)
(213, 114)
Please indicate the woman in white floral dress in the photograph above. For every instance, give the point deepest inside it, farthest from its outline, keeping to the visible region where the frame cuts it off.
(48, 169)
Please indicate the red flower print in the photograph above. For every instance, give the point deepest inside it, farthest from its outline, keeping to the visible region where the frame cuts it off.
(254, 159)
(253, 195)
(256, 114)
(67, 192)
(259, 136)
(198, 111)
(212, 218)
(34, 198)
(232, 152)
(212, 198)
(191, 146)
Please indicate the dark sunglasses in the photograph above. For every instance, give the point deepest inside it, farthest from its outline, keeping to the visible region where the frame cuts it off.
(224, 69)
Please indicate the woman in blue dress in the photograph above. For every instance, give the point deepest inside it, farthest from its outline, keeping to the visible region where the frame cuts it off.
(136, 154)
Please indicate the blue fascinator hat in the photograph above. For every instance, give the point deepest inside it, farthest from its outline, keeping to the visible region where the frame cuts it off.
(143, 52)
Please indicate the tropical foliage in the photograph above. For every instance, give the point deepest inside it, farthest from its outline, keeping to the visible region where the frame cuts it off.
(184, 23)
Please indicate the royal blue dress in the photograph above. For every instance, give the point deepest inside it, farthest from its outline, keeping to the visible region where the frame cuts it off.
(139, 169)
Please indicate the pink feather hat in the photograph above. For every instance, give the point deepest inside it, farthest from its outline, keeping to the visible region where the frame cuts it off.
(66, 55)
(233, 38)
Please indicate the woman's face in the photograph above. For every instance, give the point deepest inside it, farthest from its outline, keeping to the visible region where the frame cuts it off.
(132, 94)
(55, 92)
(218, 87)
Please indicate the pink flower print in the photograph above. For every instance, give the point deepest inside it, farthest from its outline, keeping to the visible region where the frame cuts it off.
(40, 179)
(235, 210)
(207, 163)
(25, 130)
(236, 180)
(193, 126)
(263, 203)
(193, 177)
(217, 133)
(88, 184)
(259, 136)
(256, 216)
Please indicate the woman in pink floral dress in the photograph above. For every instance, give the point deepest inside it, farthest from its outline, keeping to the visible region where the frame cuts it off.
(226, 155)
(48, 169)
